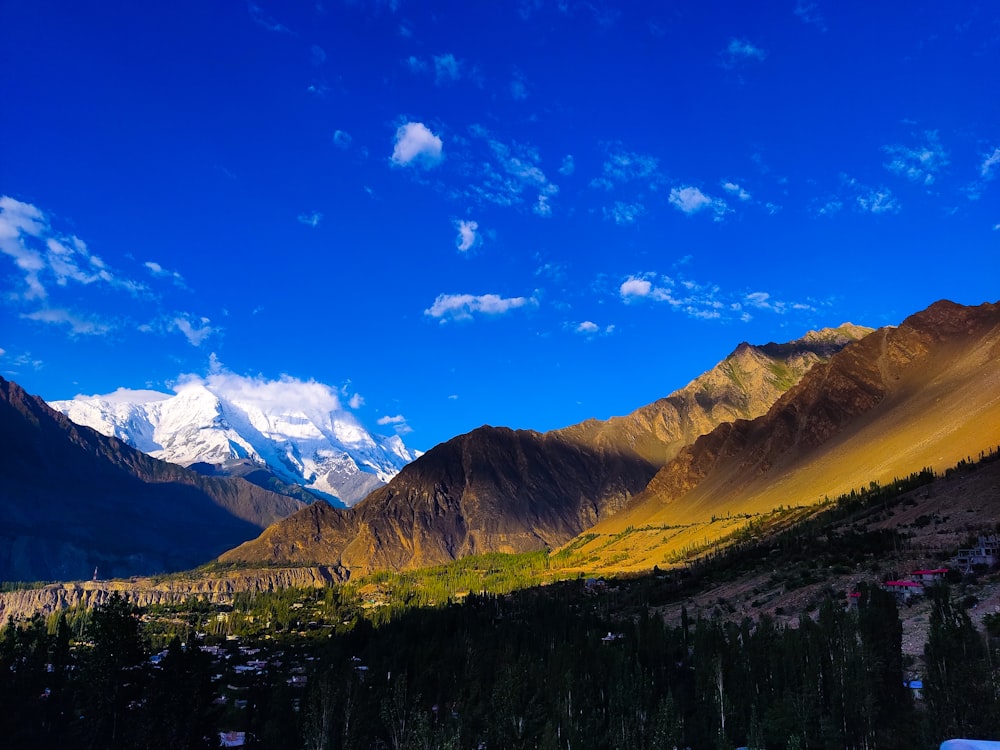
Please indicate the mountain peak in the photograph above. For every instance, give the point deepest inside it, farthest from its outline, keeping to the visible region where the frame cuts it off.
(294, 431)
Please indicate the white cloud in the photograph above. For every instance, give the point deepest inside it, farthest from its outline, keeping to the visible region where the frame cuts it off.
(870, 200)
(510, 174)
(567, 167)
(624, 213)
(342, 139)
(446, 69)
(590, 328)
(734, 189)
(2, 352)
(622, 166)
(78, 324)
(286, 395)
(463, 306)
(918, 164)
(416, 144)
(41, 254)
(542, 206)
(740, 50)
(398, 422)
(160, 272)
(356, 401)
(311, 219)
(702, 301)
(990, 163)
(195, 334)
(467, 237)
(398, 419)
(691, 200)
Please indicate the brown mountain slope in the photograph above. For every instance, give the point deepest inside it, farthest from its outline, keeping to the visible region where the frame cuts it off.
(743, 386)
(924, 394)
(496, 489)
(72, 499)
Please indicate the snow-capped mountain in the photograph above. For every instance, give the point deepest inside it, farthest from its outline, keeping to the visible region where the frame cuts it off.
(295, 430)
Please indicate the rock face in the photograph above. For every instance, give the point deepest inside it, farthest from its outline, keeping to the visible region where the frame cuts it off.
(496, 489)
(145, 591)
(926, 393)
(72, 500)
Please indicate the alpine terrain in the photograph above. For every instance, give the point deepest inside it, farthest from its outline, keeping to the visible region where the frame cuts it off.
(72, 500)
(308, 451)
(497, 489)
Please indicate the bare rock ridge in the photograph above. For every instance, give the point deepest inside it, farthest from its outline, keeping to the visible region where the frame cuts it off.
(72, 500)
(923, 394)
(496, 489)
(218, 588)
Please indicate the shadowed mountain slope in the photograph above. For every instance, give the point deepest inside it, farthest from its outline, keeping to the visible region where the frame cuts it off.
(496, 489)
(925, 394)
(72, 499)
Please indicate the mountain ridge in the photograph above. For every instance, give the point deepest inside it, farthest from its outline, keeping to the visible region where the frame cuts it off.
(497, 489)
(73, 499)
(245, 431)
(924, 393)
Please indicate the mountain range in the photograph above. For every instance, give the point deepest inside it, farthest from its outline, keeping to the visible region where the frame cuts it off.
(497, 489)
(770, 427)
(72, 499)
(306, 451)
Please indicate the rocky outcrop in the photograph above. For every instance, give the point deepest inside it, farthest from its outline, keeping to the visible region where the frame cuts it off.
(216, 588)
(944, 343)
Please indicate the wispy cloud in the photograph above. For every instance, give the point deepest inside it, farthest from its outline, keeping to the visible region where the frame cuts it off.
(624, 213)
(808, 12)
(871, 200)
(700, 300)
(464, 306)
(568, 166)
(736, 191)
(160, 272)
(446, 69)
(196, 333)
(855, 194)
(621, 166)
(467, 237)
(589, 329)
(265, 21)
(45, 257)
(739, 51)
(416, 145)
(508, 174)
(398, 422)
(917, 163)
(691, 200)
(78, 324)
(991, 165)
(311, 219)
(342, 139)
(416, 65)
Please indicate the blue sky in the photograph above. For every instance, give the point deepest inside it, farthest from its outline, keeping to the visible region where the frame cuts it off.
(462, 213)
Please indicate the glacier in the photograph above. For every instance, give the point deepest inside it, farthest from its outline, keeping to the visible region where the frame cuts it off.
(213, 427)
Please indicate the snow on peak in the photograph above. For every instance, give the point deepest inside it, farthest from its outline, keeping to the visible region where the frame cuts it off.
(298, 429)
